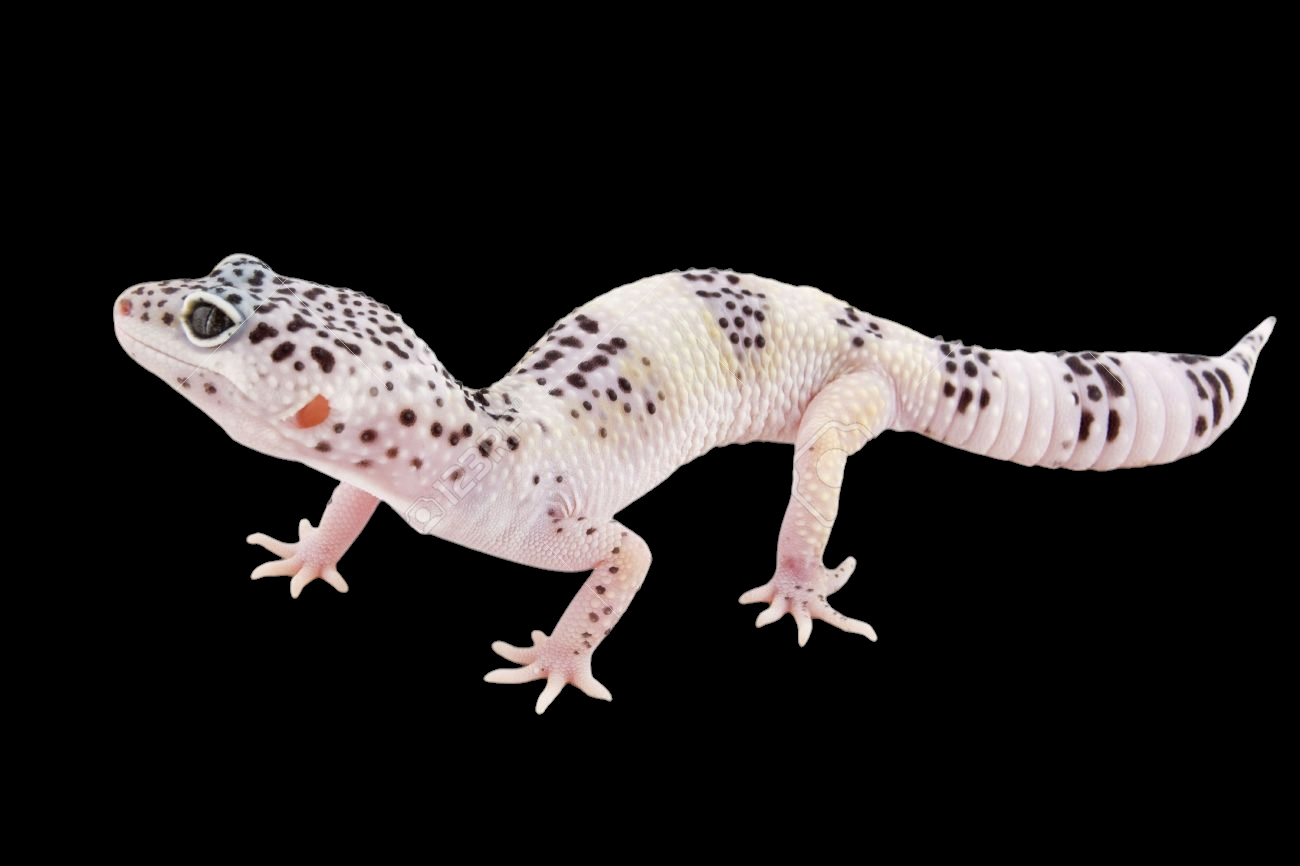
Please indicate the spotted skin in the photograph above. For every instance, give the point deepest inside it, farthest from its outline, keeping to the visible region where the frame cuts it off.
(612, 399)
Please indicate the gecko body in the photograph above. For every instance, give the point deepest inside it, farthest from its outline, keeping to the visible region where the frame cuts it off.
(614, 398)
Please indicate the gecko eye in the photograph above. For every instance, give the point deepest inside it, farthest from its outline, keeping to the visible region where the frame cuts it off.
(209, 320)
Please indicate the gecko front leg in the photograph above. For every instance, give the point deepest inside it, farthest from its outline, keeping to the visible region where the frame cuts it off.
(841, 419)
(319, 548)
(619, 560)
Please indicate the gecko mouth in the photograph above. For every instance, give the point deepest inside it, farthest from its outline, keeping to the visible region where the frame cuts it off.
(184, 373)
(161, 364)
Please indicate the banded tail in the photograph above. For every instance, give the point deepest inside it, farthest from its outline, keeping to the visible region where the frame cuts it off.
(1081, 410)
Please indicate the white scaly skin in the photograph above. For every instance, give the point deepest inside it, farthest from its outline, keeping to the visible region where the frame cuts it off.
(613, 399)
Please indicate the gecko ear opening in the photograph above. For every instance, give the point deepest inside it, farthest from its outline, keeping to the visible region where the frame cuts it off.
(315, 412)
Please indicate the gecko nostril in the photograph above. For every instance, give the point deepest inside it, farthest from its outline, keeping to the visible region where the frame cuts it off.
(124, 307)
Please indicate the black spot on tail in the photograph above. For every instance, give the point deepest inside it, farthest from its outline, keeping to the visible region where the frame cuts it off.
(1227, 383)
(1078, 366)
(1085, 424)
(1114, 387)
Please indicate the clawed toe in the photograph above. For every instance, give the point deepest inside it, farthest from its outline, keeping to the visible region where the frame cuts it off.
(803, 596)
(537, 663)
(294, 560)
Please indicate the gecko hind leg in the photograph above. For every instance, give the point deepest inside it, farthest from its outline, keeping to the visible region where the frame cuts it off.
(843, 417)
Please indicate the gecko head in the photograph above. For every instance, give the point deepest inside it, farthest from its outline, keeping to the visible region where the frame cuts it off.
(273, 360)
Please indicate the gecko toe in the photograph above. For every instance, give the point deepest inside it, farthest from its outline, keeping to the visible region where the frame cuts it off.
(282, 549)
(592, 688)
(519, 655)
(757, 594)
(805, 624)
(277, 568)
(775, 611)
(512, 676)
(841, 575)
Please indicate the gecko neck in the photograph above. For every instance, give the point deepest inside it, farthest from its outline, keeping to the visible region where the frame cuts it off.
(467, 418)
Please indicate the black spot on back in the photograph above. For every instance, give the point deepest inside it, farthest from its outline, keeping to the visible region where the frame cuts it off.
(323, 357)
(263, 331)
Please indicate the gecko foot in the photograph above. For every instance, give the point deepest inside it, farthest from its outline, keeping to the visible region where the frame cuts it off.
(545, 659)
(800, 590)
(305, 560)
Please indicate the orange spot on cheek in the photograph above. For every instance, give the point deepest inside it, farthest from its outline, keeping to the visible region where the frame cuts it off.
(313, 413)
(124, 307)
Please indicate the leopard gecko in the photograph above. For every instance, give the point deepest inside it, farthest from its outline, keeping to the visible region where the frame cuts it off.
(615, 397)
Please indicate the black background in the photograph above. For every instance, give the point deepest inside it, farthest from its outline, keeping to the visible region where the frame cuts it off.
(1017, 608)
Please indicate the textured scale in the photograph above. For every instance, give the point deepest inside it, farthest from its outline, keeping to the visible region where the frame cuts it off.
(613, 399)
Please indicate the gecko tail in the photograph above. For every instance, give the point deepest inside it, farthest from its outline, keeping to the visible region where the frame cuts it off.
(1087, 410)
